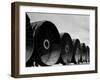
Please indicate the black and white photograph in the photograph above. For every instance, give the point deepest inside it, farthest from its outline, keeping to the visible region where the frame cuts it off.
(52, 39)
(57, 39)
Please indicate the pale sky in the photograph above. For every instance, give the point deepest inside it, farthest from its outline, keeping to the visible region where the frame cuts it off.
(76, 25)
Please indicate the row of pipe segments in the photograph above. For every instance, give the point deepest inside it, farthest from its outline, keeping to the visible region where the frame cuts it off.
(45, 46)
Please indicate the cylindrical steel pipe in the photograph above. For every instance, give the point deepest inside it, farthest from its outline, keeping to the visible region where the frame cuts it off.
(46, 43)
(66, 48)
(29, 42)
(84, 52)
(76, 51)
(88, 54)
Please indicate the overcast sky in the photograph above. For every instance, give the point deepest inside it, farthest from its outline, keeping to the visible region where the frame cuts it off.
(76, 25)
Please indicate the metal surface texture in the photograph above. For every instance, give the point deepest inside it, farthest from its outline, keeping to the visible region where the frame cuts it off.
(84, 52)
(76, 51)
(88, 54)
(46, 43)
(66, 48)
(29, 41)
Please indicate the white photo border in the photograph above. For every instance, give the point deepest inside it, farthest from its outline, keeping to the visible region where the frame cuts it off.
(68, 68)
